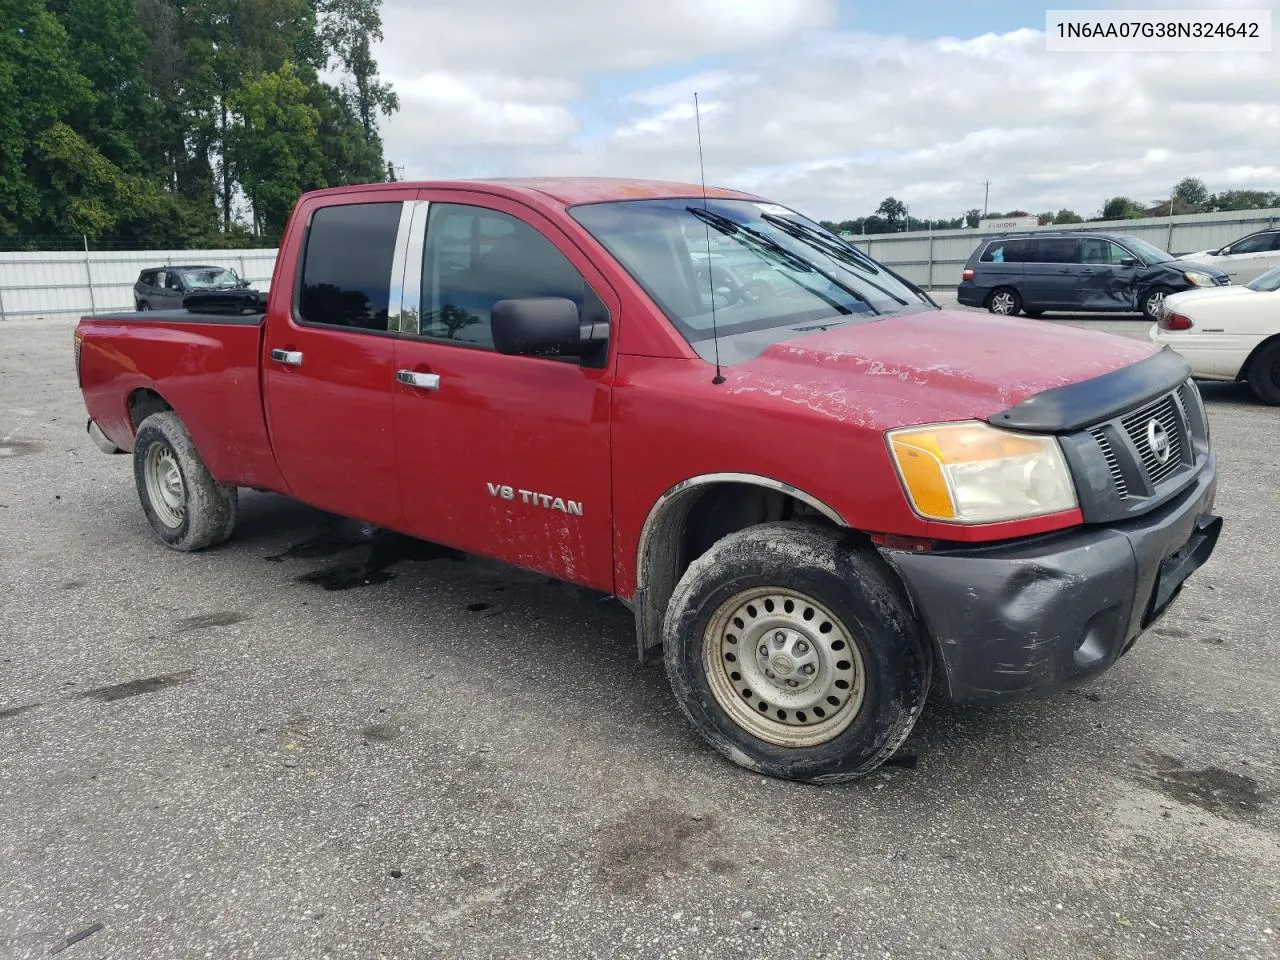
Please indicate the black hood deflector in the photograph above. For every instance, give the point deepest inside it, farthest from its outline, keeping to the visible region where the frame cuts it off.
(1082, 404)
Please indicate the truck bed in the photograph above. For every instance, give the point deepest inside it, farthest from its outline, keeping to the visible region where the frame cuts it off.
(203, 365)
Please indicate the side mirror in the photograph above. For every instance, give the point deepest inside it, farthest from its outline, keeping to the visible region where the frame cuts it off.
(540, 326)
(1222, 251)
(1129, 262)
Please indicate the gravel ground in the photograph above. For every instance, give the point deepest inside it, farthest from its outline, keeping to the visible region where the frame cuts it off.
(215, 756)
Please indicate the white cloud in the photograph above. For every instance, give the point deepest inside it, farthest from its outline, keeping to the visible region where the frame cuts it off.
(828, 123)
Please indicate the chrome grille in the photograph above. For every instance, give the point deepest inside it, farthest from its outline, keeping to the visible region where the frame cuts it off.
(1166, 412)
(1113, 463)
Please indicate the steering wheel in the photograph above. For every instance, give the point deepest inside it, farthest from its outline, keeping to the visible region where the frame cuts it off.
(722, 281)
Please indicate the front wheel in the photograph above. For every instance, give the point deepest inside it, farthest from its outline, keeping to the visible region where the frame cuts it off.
(1153, 302)
(793, 652)
(1004, 302)
(186, 507)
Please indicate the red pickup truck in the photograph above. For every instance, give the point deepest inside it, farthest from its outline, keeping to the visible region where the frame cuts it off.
(822, 496)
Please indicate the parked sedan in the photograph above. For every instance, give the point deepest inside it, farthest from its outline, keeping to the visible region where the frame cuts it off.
(162, 288)
(1228, 333)
(1245, 259)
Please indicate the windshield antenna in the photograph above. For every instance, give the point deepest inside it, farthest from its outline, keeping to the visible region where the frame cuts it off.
(706, 223)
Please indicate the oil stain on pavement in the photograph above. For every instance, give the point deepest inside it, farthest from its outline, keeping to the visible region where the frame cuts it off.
(381, 551)
(134, 688)
(1218, 791)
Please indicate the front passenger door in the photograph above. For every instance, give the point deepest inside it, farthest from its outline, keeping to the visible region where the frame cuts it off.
(503, 456)
(1110, 273)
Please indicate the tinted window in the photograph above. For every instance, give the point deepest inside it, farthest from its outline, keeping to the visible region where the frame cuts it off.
(1258, 243)
(475, 257)
(346, 273)
(171, 281)
(1055, 250)
(1097, 250)
(1007, 251)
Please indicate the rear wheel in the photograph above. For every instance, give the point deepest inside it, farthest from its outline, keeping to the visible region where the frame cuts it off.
(1264, 373)
(143, 305)
(1152, 301)
(1004, 302)
(185, 506)
(793, 652)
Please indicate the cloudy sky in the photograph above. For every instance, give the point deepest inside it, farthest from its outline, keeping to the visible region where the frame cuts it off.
(827, 106)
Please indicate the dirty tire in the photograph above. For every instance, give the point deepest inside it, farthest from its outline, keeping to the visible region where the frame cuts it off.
(207, 514)
(1264, 373)
(851, 582)
(1004, 302)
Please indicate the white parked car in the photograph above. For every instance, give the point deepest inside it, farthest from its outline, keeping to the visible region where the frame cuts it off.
(1228, 333)
(1246, 259)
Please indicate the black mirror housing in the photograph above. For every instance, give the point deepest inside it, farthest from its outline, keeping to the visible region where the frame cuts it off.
(536, 326)
(1129, 262)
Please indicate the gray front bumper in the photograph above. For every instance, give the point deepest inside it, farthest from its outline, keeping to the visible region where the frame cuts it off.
(1029, 616)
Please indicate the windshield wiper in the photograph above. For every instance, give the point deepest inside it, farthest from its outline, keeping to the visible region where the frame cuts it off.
(754, 238)
(806, 234)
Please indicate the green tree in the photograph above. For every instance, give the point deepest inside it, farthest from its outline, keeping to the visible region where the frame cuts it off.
(1067, 216)
(1121, 208)
(273, 142)
(348, 28)
(892, 211)
(972, 217)
(1245, 200)
(1191, 192)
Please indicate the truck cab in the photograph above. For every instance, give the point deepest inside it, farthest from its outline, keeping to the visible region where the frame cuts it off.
(821, 495)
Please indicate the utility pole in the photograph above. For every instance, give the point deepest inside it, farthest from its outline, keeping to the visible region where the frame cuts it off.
(986, 193)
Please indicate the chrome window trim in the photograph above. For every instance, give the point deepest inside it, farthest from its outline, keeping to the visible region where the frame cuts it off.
(395, 291)
(411, 288)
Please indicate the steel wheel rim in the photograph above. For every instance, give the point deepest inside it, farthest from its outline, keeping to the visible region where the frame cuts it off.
(783, 667)
(165, 487)
(1002, 303)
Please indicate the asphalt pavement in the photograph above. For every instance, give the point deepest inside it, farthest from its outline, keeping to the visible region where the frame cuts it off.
(321, 741)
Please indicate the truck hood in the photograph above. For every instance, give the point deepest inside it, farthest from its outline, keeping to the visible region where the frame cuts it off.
(927, 367)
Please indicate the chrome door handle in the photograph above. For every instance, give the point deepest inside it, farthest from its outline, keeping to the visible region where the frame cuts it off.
(291, 357)
(423, 381)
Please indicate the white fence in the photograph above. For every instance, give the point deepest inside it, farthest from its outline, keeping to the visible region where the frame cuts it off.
(44, 284)
(936, 259)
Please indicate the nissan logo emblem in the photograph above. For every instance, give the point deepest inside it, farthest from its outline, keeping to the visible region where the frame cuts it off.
(1158, 439)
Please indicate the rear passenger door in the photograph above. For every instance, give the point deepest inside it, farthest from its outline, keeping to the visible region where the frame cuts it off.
(329, 356)
(503, 456)
(1001, 265)
(1052, 273)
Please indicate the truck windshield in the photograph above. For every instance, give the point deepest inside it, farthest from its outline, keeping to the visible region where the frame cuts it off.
(209, 277)
(755, 265)
(1148, 252)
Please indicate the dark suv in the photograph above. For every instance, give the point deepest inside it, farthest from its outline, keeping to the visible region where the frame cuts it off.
(163, 288)
(1035, 272)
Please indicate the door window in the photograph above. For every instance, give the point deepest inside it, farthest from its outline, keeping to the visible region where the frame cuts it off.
(475, 257)
(171, 281)
(1055, 250)
(346, 268)
(1099, 251)
(1258, 243)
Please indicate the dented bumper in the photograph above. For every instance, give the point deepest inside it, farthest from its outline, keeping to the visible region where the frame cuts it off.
(1033, 615)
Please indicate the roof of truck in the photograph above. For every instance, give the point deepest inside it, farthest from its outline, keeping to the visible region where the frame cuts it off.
(564, 190)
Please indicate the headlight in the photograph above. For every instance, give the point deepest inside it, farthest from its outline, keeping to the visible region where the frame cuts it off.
(970, 472)
(1198, 279)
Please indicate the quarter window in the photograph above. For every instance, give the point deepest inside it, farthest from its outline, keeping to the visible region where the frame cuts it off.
(346, 270)
(1006, 251)
(475, 257)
